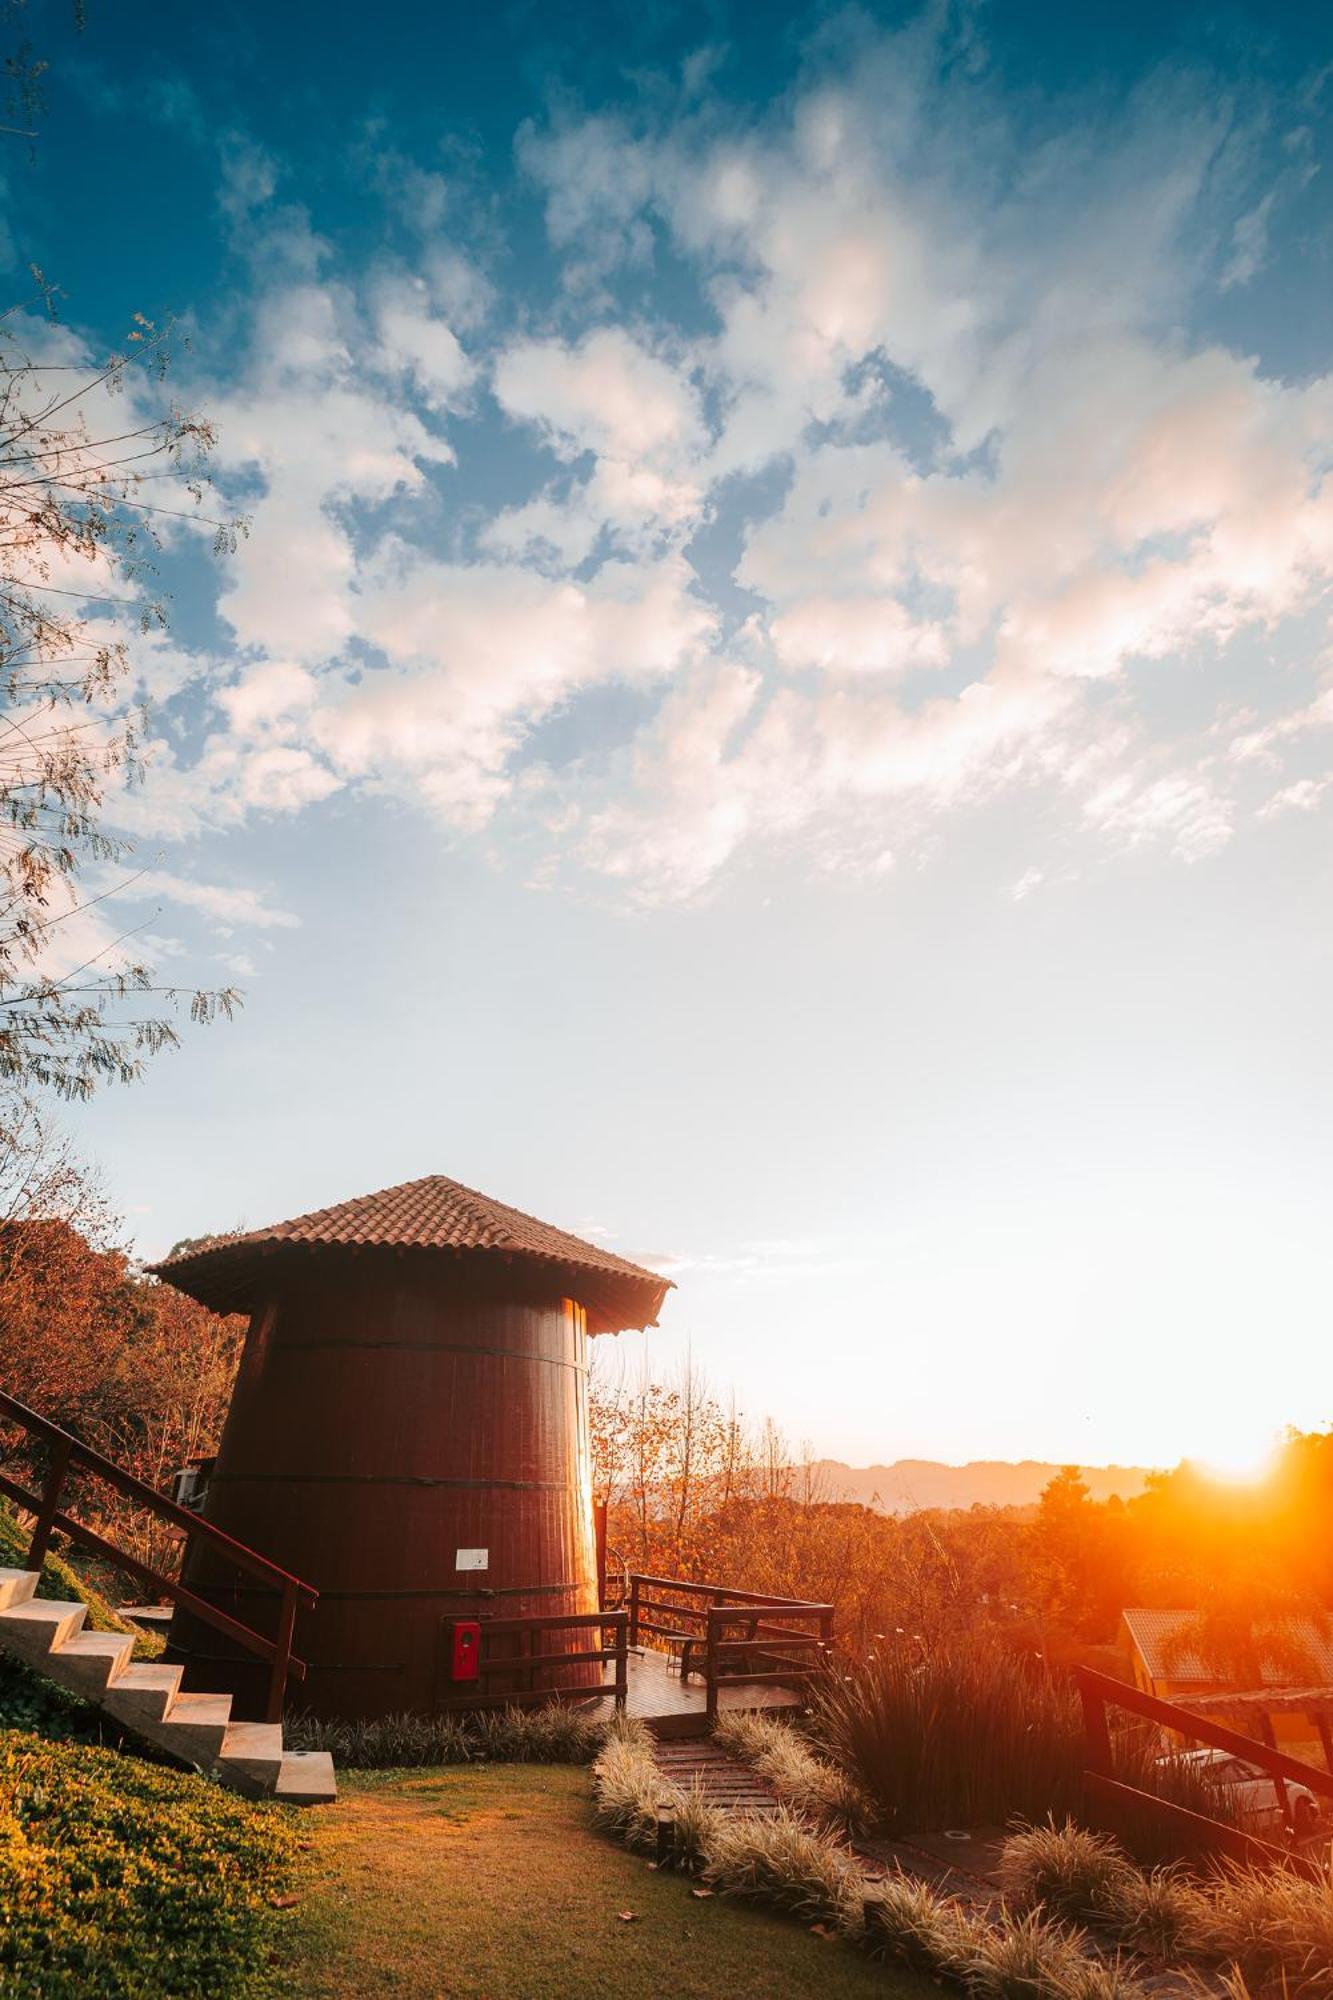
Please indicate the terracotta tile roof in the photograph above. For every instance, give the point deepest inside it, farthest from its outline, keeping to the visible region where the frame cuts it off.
(1152, 1632)
(433, 1213)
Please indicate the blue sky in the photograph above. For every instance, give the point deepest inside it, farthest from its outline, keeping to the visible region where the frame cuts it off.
(777, 707)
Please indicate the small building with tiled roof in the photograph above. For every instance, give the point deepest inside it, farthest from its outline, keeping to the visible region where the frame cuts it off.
(416, 1219)
(408, 1431)
(1174, 1671)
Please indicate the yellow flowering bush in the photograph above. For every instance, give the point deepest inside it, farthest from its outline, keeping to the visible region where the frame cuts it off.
(120, 1879)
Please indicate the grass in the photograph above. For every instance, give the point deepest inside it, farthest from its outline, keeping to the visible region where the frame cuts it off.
(120, 1880)
(491, 1880)
(790, 1863)
(803, 1781)
(1272, 1929)
(557, 1734)
(983, 1736)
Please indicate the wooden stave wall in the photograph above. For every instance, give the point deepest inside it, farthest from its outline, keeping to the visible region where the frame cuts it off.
(362, 1380)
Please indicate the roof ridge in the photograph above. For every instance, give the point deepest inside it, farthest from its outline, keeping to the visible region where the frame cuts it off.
(430, 1213)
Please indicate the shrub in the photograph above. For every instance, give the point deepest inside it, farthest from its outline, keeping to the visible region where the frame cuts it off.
(1274, 1929)
(118, 1878)
(777, 1859)
(982, 1736)
(1064, 1870)
(803, 1781)
(557, 1734)
(962, 1737)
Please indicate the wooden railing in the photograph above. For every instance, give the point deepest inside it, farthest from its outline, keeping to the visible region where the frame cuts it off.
(781, 1639)
(519, 1649)
(1098, 1692)
(64, 1452)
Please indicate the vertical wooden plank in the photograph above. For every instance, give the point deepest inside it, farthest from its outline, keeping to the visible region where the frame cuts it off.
(710, 1666)
(1096, 1729)
(599, 1512)
(277, 1684)
(622, 1664)
(57, 1467)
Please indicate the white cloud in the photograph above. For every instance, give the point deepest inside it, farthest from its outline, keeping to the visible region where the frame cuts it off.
(1009, 482)
(227, 905)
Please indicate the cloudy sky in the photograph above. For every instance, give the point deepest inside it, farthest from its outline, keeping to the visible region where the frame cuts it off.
(776, 709)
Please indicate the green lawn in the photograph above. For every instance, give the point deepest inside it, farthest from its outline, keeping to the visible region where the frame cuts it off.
(490, 1881)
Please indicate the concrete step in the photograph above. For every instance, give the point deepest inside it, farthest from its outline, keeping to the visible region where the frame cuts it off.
(91, 1662)
(146, 1696)
(143, 1693)
(195, 1727)
(255, 1749)
(34, 1630)
(16, 1586)
(307, 1779)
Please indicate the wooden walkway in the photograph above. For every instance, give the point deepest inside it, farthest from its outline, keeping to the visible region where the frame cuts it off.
(725, 1782)
(675, 1708)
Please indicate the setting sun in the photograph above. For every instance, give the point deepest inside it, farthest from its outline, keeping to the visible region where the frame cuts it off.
(1242, 1463)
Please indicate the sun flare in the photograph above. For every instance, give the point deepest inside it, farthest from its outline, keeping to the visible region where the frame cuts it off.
(1246, 1462)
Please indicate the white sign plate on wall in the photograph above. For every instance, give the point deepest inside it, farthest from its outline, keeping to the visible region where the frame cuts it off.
(471, 1559)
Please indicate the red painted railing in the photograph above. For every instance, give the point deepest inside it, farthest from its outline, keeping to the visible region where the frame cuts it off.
(64, 1451)
(528, 1652)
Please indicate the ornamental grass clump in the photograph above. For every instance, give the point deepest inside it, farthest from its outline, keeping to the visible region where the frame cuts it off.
(775, 1858)
(980, 1735)
(556, 1734)
(805, 1782)
(1162, 1913)
(1066, 1871)
(962, 1736)
(1272, 1927)
(628, 1787)
(1276, 1927)
(903, 1920)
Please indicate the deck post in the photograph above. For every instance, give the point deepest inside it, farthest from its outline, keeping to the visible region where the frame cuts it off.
(1096, 1729)
(634, 1610)
(57, 1466)
(282, 1653)
(710, 1665)
(622, 1664)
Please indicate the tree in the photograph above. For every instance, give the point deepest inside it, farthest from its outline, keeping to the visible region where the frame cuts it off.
(83, 446)
(137, 1370)
(78, 446)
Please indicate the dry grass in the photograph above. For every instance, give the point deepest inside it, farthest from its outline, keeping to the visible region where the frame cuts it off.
(787, 1863)
(779, 1860)
(1273, 1929)
(802, 1780)
(1065, 1870)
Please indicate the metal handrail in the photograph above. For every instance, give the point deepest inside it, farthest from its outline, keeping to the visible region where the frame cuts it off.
(67, 1450)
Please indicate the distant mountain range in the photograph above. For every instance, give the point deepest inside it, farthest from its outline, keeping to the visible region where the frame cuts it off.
(911, 1483)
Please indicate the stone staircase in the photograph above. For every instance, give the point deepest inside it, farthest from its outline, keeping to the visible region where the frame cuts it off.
(145, 1696)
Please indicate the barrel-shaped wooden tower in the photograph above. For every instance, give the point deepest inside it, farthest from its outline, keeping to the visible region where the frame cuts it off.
(408, 1433)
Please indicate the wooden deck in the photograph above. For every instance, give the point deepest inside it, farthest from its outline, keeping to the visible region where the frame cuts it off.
(672, 1707)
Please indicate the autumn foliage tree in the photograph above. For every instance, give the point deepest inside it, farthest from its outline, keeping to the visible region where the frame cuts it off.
(132, 1367)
